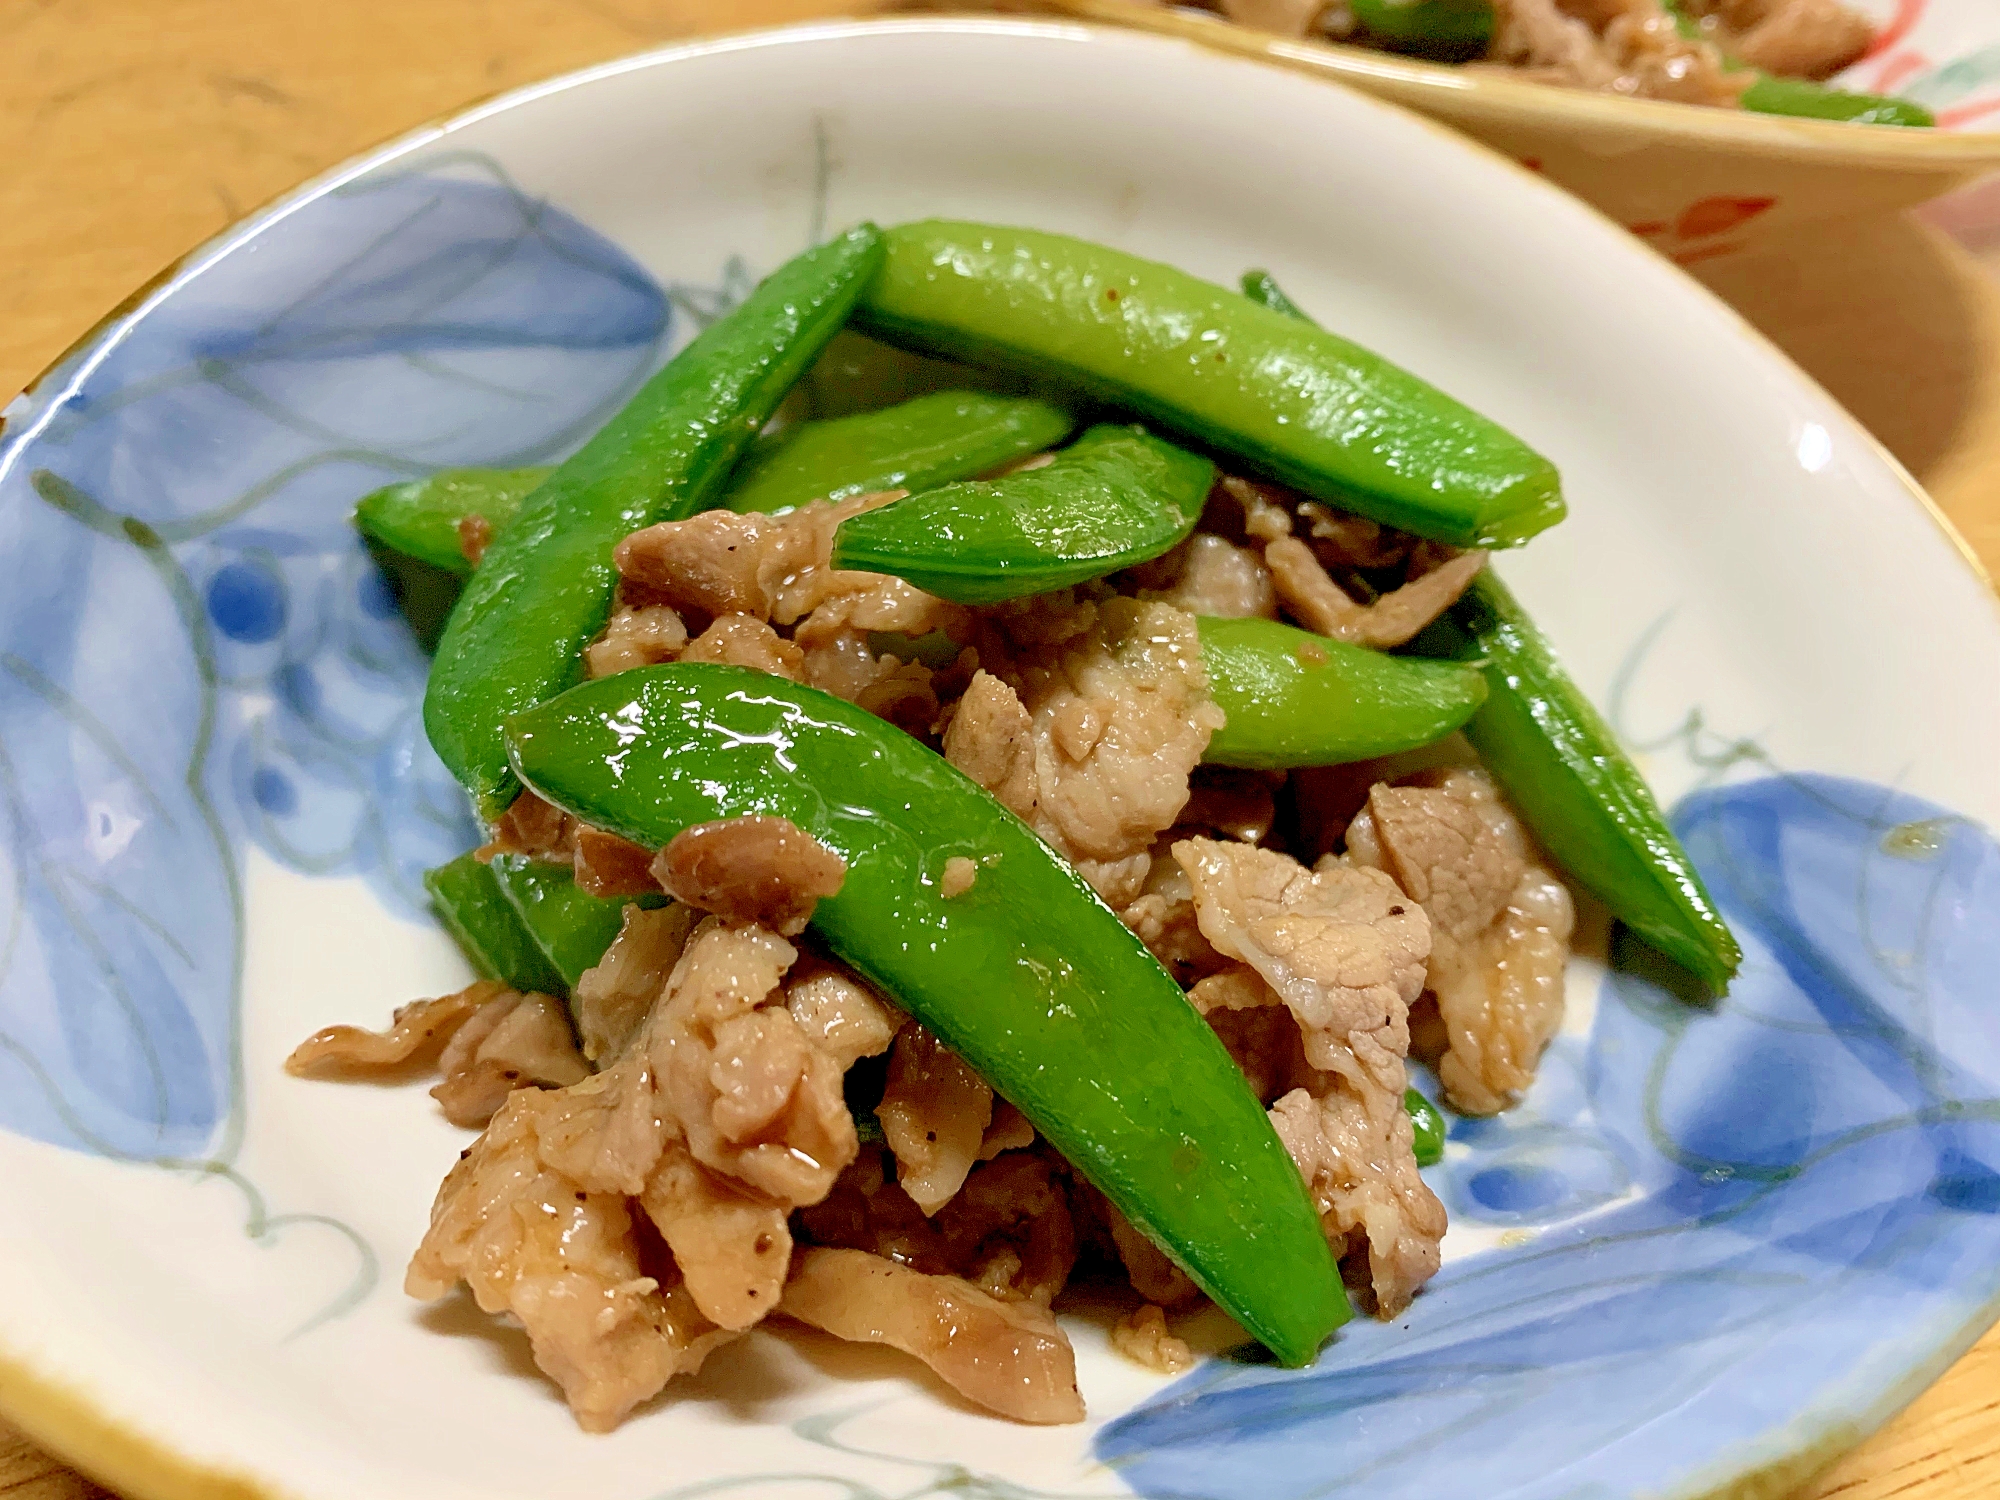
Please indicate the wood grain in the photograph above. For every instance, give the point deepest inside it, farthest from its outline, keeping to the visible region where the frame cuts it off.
(137, 128)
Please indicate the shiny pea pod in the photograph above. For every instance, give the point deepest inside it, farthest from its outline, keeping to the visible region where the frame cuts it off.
(570, 927)
(1801, 98)
(1441, 30)
(917, 445)
(420, 517)
(469, 901)
(1297, 699)
(1027, 975)
(1561, 765)
(1282, 396)
(545, 586)
(1114, 498)
(1427, 1126)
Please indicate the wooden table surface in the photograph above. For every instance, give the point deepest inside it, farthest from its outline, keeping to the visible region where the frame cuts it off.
(136, 128)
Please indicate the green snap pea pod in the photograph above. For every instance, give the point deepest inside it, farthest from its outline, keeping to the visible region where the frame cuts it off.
(1560, 764)
(467, 897)
(1801, 97)
(1284, 397)
(419, 518)
(1429, 1127)
(1027, 975)
(546, 583)
(571, 927)
(918, 445)
(1444, 30)
(1298, 699)
(1113, 498)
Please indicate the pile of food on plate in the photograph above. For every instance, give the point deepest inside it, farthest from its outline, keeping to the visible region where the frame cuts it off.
(1770, 56)
(1014, 833)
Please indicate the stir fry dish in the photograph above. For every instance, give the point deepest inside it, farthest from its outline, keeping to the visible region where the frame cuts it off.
(1016, 835)
(1768, 56)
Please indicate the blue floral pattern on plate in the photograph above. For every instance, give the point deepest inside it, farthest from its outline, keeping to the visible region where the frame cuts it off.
(1736, 1216)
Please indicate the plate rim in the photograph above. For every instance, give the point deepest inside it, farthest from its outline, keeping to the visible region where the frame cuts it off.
(119, 1452)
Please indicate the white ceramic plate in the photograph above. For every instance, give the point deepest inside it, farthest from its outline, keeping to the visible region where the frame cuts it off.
(1713, 1246)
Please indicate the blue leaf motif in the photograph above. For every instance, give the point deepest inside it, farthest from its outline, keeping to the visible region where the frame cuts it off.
(196, 653)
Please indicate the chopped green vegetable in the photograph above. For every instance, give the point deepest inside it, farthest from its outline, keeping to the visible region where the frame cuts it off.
(918, 445)
(1027, 975)
(1281, 395)
(1298, 699)
(1560, 764)
(468, 900)
(546, 584)
(1801, 97)
(1114, 498)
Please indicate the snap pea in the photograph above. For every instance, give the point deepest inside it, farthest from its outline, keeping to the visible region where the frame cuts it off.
(917, 445)
(467, 898)
(570, 927)
(1429, 1127)
(419, 518)
(1282, 396)
(1298, 699)
(546, 583)
(1027, 975)
(1443, 30)
(1560, 764)
(1769, 94)
(1114, 498)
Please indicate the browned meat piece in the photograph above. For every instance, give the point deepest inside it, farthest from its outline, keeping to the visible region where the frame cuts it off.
(610, 867)
(1619, 46)
(608, 1328)
(1267, 508)
(613, 998)
(1500, 924)
(1319, 604)
(934, 1114)
(708, 563)
(733, 1248)
(532, 827)
(417, 1033)
(487, 1040)
(1153, 1275)
(844, 664)
(753, 869)
(1344, 949)
(1804, 38)
(512, 1042)
(641, 636)
(757, 1100)
(1142, 1337)
(839, 1014)
(1010, 1131)
(1117, 719)
(1010, 1357)
(745, 641)
(1163, 917)
(1240, 805)
(1210, 575)
(991, 739)
(1349, 541)
(474, 532)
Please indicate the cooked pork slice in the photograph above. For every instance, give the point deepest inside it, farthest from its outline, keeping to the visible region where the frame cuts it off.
(611, 868)
(636, 636)
(841, 1016)
(1142, 1336)
(1344, 948)
(613, 998)
(1319, 604)
(752, 869)
(1010, 1357)
(513, 1041)
(1794, 38)
(1211, 575)
(740, 640)
(565, 1262)
(1501, 922)
(734, 1248)
(417, 1033)
(532, 827)
(934, 1113)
